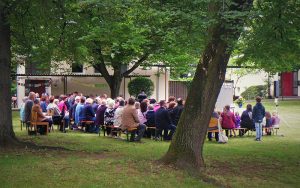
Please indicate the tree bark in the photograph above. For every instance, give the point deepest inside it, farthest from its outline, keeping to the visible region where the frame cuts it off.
(114, 81)
(186, 149)
(7, 135)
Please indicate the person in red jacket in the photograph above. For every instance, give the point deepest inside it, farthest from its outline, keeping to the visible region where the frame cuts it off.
(228, 120)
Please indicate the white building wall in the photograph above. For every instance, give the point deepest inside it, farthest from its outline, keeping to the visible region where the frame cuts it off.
(98, 85)
(20, 84)
(257, 78)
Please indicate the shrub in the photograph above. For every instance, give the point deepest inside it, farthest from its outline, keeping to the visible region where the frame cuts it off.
(138, 84)
(253, 91)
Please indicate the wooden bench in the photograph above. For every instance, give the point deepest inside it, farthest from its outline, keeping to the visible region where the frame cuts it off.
(155, 131)
(86, 122)
(240, 129)
(213, 123)
(132, 131)
(267, 129)
(34, 123)
(114, 129)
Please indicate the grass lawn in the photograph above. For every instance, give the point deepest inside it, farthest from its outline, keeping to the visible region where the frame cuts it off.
(94, 161)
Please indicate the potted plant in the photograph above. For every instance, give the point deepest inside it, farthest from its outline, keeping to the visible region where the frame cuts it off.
(240, 101)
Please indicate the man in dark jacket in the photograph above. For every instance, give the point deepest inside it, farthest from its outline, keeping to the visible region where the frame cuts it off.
(258, 115)
(178, 110)
(163, 121)
(142, 96)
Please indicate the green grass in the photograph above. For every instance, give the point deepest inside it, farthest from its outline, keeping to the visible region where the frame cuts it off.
(101, 161)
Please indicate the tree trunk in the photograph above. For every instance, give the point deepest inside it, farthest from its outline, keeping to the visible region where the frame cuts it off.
(186, 149)
(115, 85)
(7, 135)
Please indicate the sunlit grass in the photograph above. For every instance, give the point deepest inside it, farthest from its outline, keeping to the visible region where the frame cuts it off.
(95, 161)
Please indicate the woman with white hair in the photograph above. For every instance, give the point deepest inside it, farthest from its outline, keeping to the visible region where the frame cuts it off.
(100, 114)
(88, 110)
(53, 106)
(109, 115)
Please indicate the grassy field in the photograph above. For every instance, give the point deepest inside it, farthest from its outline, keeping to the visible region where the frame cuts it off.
(93, 161)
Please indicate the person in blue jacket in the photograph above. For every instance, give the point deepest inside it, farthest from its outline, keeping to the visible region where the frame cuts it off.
(258, 115)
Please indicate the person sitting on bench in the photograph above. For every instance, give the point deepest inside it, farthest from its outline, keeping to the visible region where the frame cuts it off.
(246, 120)
(130, 120)
(163, 121)
(40, 116)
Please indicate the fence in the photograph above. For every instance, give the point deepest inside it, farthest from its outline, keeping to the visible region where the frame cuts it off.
(178, 89)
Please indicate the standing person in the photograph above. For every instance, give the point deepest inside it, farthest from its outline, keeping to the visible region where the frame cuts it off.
(258, 116)
(163, 121)
(130, 120)
(142, 96)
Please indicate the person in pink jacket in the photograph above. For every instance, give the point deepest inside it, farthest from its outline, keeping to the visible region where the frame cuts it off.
(228, 120)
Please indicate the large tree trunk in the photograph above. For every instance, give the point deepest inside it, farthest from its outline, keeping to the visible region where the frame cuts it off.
(7, 135)
(186, 149)
(115, 85)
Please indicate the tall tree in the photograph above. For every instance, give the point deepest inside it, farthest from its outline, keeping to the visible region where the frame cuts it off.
(119, 36)
(7, 135)
(22, 29)
(186, 149)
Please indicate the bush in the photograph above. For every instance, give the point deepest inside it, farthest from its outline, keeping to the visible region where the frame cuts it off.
(13, 88)
(253, 91)
(138, 84)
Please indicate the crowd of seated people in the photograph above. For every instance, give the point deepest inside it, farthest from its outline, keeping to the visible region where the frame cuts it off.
(233, 121)
(74, 110)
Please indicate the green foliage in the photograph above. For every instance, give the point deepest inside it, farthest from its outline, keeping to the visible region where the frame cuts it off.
(253, 91)
(240, 100)
(13, 88)
(138, 84)
(270, 40)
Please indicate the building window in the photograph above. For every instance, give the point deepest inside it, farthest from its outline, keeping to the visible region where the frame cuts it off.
(77, 68)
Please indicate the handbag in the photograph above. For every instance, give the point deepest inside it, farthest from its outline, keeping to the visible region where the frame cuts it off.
(222, 137)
